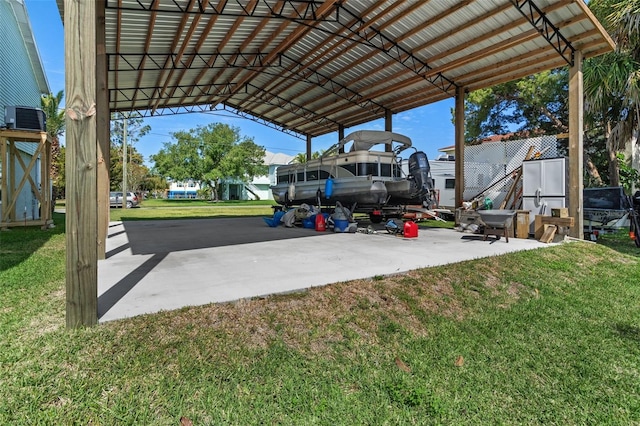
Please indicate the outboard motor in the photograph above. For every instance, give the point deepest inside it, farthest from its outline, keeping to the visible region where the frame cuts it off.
(420, 170)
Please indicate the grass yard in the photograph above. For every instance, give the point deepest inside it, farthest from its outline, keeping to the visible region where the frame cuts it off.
(192, 209)
(550, 336)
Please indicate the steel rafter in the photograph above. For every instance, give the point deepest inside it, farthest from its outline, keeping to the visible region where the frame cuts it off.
(285, 104)
(377, 40)
(160, 61)
(207, 109)
(224, 88)
(550, 32)
(318, 79)
(148, 94)
(285, 9)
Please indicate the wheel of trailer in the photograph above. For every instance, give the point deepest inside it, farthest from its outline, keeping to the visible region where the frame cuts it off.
(375, 218)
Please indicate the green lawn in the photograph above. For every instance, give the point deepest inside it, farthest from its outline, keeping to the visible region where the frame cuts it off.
(550, 336)
(192, 209)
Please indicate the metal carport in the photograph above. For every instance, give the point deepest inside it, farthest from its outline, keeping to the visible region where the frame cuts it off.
(305, 67)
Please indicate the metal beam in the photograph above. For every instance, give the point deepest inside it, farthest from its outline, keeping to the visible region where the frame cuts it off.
(284, 9)
(326, 82)
(545, 27)
(208, 109)
(187, 61)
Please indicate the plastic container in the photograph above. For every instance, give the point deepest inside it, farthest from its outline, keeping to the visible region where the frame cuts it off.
(309, 222)
(275, 220)
(320, 222)
(410, 229)
(328, 188)
(340, 225)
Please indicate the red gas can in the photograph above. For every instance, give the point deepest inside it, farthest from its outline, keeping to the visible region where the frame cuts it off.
(410, 229)
(321, 224)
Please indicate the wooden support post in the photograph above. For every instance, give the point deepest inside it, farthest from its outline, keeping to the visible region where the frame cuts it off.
(576, 129)
(308, 147)
(4, 193)
(12, 214)
(340, 137)
(459, 146)
(46, 208)
(81, 158)
(12, 182)
(103, 133)
(388, 127)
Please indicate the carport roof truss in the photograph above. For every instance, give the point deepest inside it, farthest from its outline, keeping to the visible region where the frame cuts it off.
(307, 67)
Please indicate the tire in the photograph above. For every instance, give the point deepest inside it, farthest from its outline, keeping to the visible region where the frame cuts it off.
(375, 218)
(129, 204)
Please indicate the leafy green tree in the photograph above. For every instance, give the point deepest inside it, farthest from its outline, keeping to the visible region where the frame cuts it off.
(58, 181)
(208, 154)
(136, 171)
(612, 81)
(536, 104)
(301, 157)
(155, 185)
(532, 106)
(50, 104)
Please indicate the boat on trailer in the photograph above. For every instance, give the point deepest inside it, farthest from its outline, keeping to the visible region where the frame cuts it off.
(363, 170)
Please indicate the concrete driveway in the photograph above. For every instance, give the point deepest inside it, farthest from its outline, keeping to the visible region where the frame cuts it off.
(163, 265)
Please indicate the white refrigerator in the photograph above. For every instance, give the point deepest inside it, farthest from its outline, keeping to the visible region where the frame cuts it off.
(544, 186)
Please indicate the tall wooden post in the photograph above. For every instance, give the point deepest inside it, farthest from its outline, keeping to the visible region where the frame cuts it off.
(340, 137)
(459, 146)
(104, 143)
(576, 131)
(308, 147)
(81, 158)
(388, 127)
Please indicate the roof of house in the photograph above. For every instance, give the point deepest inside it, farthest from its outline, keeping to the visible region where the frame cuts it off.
(22, 18)
(277, 158)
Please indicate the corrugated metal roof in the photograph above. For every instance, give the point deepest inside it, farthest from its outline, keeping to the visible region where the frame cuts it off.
(309, 66)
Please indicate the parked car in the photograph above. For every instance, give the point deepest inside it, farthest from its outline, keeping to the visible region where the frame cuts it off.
(115, 199)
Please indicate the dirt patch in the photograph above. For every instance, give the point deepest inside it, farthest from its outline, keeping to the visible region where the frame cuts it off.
(360, 311)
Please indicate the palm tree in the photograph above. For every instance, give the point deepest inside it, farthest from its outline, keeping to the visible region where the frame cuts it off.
(301, 157)
(612, 81)
(55, 129)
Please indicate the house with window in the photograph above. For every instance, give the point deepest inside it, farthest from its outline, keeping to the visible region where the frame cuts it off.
(22, 83)
(234, 189)
(183, 189)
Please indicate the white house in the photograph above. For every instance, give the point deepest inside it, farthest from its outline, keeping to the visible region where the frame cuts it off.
(22, 83)
(233, 189)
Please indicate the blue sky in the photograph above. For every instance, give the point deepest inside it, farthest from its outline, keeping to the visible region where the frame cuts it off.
(429, 127)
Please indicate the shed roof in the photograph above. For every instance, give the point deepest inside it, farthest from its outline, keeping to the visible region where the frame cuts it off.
(306, 66)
